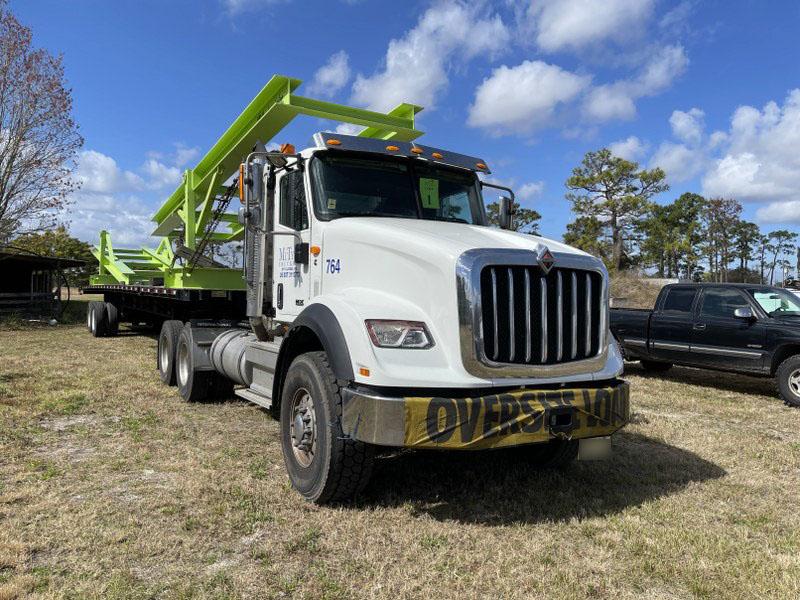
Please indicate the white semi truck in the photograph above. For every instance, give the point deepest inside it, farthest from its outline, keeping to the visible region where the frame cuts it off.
(383, 311)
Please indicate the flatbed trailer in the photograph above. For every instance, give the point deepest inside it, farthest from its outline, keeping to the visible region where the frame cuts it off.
(155, 304)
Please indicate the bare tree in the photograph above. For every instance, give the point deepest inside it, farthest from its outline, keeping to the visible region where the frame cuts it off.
(39, 139)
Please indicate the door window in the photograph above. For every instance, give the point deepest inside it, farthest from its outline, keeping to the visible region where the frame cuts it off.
(293, 212)
(721, 303)
(679, 300)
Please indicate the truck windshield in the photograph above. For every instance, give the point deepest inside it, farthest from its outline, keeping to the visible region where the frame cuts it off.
(386, 187)
(777, 303)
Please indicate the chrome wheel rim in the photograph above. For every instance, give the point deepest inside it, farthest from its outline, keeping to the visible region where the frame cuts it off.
(303, 427)
(794, 382)
(163, 354)
(183, 364)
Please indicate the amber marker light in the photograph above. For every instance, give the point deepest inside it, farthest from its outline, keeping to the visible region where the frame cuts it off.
(392, 148)
(334, 143)
(416, 150)
(364, 372)
(241, 183)
(315, 250)
(437, 156)
(287, 149)
(481, 166)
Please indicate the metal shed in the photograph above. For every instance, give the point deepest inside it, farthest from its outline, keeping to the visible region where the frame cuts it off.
(31, 284)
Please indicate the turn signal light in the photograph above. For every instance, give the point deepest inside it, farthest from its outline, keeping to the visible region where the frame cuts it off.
(363, 372)
(315, 250)
(241, 183)
(287, 149)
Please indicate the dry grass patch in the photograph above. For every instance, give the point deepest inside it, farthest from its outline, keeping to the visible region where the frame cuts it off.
(111, 487)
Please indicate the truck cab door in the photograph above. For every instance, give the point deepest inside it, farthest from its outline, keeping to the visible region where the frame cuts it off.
(290, 278)
(671, 325)
(724, 341)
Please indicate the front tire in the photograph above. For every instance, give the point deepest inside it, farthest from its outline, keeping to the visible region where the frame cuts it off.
(788, 379)
(323, 465)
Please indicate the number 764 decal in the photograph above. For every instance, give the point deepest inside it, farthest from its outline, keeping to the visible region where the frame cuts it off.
(332, 265)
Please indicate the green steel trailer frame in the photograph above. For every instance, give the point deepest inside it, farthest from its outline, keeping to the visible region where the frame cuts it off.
(195, 213)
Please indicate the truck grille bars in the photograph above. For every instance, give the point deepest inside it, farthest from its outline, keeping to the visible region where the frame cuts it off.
(530, 317)
(531, 313)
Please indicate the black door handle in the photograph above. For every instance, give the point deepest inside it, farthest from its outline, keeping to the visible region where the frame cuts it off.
(699, 326)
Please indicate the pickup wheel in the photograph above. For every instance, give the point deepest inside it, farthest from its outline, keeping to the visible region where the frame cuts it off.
(788, 379)
(323, 465)
(167, 346)
(555, 454)
(655, 367)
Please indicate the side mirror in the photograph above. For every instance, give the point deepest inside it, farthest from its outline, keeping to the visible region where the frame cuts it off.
(743, 313)
(506, 213)
(301, 253)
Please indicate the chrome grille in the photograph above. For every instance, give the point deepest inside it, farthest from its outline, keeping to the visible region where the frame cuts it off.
(530, 317)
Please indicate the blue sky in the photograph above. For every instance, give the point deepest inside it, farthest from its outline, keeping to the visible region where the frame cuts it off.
(708, 90)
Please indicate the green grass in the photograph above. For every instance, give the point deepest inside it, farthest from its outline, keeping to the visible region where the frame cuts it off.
(111, 487)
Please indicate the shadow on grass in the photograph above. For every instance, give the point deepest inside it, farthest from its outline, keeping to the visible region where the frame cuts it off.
(718, 380)
(501, 487)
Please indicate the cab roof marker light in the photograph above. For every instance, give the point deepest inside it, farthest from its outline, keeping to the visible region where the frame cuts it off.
(416, 150)
(392, 148)
(437, 156)
(333, 142)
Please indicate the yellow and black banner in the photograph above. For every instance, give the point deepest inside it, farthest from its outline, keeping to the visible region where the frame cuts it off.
(514, 418)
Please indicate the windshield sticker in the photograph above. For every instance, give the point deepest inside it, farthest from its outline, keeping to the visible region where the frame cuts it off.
(332, 203)
(429, 192)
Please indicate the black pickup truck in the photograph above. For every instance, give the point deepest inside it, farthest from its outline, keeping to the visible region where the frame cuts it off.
(744, 328)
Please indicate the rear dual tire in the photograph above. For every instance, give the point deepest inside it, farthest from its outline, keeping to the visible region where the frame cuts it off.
(196, 384)
(167, 348)
(102, 319)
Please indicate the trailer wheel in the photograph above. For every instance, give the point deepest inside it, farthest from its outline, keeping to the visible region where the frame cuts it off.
(323, 465)
(193, 385)
(555, 454)
(167, 346)
(655, 367)
(788, 379)
(98, 319)
(112, 319)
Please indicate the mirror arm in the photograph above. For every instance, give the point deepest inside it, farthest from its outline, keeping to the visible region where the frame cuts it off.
(499, 187)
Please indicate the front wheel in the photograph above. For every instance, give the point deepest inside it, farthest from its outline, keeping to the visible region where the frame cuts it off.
(323, 465)
(788, 379)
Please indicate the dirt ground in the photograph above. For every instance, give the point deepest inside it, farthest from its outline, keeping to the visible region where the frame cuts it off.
(112, 487)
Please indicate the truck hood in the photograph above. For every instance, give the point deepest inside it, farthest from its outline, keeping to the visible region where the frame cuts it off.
(440, 236)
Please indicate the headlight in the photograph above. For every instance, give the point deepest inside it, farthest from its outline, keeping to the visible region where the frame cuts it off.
(399, 334)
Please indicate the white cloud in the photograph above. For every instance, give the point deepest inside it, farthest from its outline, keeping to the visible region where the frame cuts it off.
(688, 126)
(759, 158)
(184, 155)
(416, 65)
(780, 212)
(530, 190)
(679, 161)
(126, 217)
(523, 98)
(99, 173)
(160, 175)
(348, 129)
(574, 24)
(618, 100)
(235, 7)
(631, 148)
(332, 76)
